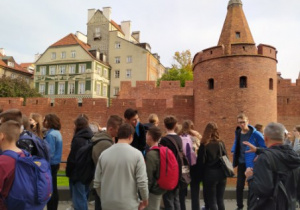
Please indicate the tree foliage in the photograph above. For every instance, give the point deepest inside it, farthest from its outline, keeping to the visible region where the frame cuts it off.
(16, 88)
(181, 70)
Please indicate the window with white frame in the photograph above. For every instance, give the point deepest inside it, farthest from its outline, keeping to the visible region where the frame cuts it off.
(51, 89)
(117, 73)
(128, 73)
(61, 88)
(97, 32)
(117, 45)
(98, 89)
(72, 69)
(11, 64)
(71, 88)
(82, 68)
(104, 72)
(52, 70)
(62, 69)
(117, 60)
(42, 89)
(73, 54)
(99, 68)
(53, 55)
(81, 88)
(129, 59)
(63, 55)
(12, 76)
(43, 70)
(116, 91)
(104, 91)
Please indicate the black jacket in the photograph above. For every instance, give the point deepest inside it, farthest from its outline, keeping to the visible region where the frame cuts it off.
(263, 181)
(80, 139)
(139, 141)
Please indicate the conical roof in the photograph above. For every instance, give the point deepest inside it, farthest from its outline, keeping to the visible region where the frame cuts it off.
(235, 28)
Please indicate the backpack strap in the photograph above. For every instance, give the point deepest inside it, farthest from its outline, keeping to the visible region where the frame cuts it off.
(15, 155)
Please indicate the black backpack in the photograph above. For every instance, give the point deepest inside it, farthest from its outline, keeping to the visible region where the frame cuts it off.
(85, 168)
(285, 189)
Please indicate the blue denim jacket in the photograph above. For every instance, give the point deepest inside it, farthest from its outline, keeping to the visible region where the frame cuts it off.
(54, 139)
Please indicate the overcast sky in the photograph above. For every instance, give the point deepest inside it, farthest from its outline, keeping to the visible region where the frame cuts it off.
(29, 27)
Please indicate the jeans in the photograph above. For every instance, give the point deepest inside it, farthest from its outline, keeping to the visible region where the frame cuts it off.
(214, 185)
(79, 194)
(240, 184)
(53, 202)
(171, 200)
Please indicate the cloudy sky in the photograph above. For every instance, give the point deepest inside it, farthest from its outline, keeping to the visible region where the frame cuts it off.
(29, 27)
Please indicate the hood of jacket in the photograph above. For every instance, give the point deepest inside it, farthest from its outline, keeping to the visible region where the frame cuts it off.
(102, 135)
(85, 133)
(251, 128)
(285, 156)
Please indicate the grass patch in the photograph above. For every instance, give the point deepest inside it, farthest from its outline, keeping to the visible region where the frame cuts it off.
(62, 181)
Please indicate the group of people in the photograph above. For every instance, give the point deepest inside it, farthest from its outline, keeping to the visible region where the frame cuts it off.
(128, 163)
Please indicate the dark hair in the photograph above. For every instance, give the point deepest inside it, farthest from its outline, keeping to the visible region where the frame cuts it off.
(11, 114)
(125, 131)
(11, 130)
(210, 133)
(155, 133)
(25, 122)
(52, 121)
(130, 113)
(259, 127)
(170, 122)
(81, 122)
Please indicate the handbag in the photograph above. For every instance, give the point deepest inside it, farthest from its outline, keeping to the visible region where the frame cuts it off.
(225, 162)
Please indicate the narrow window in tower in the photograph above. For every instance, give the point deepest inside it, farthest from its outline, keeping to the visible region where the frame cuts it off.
(237, 34)
(271, 84)
(211, 84)
(243, 82)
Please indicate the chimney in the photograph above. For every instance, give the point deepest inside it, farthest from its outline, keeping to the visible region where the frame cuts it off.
(91, 13)
(136, 35)
(2, 51)
(107, 12)
(126, 28)
(81, 36)
(37, 56)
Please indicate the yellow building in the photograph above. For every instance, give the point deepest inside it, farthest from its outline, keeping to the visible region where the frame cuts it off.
(129, 59)
(70, 68)
(10, 68)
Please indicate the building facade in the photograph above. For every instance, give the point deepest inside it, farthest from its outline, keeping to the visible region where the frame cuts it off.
(70, 68)
(129, 59)
(10, 68)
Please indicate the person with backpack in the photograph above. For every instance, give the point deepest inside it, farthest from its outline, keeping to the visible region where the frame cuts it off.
(82, 136)
(154, 167)
(103, 140)
(53, 137)
(174, 143)
(274, 179)
(20, 173)
(189, 137)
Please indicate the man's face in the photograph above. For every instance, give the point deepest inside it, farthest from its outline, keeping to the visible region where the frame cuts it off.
(242, 123)
(148, 139)
(133, 121)
(114, 131)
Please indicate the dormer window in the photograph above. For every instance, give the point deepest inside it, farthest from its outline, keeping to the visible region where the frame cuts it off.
(237, 34)
(11, 64)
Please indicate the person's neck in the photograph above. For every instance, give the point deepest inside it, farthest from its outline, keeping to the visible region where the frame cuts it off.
(10, 146)
(245, 130)
(271, 143)
(170, 131)
(124, 141)
(152, 144)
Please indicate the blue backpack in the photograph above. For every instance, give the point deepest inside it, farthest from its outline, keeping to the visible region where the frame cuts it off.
(34, 145)
(32, 186)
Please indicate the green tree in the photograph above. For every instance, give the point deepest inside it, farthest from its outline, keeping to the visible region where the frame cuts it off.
(16, 88)
(181, 70)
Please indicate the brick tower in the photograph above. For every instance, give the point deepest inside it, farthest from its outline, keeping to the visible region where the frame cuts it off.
(235, 76)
